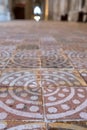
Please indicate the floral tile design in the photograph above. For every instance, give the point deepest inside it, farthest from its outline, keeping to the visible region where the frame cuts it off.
(65, 103)
(21, 125)
(68, 126)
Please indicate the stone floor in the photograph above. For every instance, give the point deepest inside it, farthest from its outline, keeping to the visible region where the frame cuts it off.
(43, 76)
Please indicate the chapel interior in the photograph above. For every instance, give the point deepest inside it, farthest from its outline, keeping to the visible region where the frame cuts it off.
(43, 64)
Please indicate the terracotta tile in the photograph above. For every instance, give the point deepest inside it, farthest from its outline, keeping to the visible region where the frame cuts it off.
(5, 55)
(24, 59)
(21, 95)
(19, 125)
(78, 58)
(61, 77)
(24, 63)
(65, 103)
(19, 103)
(68, 126)
(54, 59)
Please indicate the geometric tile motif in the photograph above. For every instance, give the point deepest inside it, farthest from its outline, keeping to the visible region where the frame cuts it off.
(68, 126)
(20, 96)
(18, 77)
(26, 63)
(5, 55)
(21, 125)
(66, 104)
(83, 73)
(57, 78)
(28, 47)
(79, 59)
(54, 59)
(21, 103)
(24, 59)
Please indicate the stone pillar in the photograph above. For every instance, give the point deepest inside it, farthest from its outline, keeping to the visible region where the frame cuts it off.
(50, 9)
(4, 10)
(46, 9)
(29, 9)
(85, 11)
(75, 8)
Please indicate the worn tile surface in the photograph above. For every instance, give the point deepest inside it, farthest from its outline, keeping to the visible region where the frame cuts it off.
(65, 103)
(21, 125)
(68, 126)
(43, 76)
(83, 73)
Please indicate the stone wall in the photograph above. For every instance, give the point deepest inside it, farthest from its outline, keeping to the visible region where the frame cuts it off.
(70, 10)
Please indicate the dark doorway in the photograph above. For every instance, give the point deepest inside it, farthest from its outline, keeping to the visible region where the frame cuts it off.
(64, 17)
(19, 11)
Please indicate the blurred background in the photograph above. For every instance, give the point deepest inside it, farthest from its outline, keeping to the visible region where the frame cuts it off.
(59, 10)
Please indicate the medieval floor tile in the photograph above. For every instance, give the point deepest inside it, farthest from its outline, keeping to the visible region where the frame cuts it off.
(78, 58)
(5, 55)
(23, 62)
(20, 95)
(68, 126)
(65, 103)
(21, 125)
(54, 59)
(19, 103)
(59, 77)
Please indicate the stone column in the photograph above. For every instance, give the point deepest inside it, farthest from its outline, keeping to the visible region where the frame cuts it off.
(4, 10)
(46, 9)
(50, 9)
(85, 12)
(28, 9)
(75, 8)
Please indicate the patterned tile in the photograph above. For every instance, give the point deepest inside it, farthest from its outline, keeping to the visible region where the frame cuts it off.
(65, 104)
(78, 58)
(24, 59)
(5, 55)
(21, 125)
(60, 77)
(68, 126)
(84, 74)
(26, 46)
(54, 59)
(20, 95)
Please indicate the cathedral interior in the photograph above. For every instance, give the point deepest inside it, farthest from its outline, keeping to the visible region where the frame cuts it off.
(43, 64)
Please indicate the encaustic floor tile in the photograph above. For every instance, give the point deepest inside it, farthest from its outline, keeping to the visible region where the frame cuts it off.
(78, 58)
(65, 103)
(21, 125)
(59, 78)
(23, 62)
(5, 55)
(55, 61)
(68, 126)
(18, 77)
(20, 95)
(21, 102)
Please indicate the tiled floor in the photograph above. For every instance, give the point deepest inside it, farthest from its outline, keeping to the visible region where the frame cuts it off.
(43, 76)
